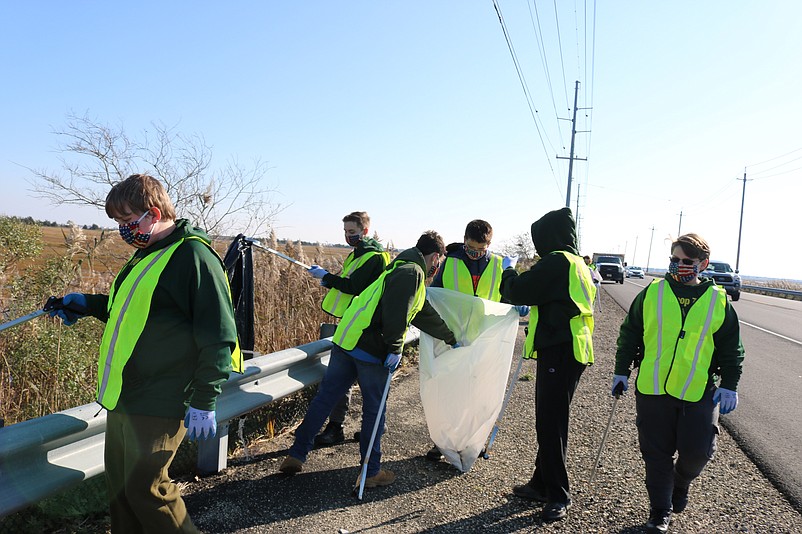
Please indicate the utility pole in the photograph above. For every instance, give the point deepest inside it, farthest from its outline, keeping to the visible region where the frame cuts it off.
(634, 259)
(740, 225)
(649, 257)
(578, 232)
(679, 230)
(571, 157)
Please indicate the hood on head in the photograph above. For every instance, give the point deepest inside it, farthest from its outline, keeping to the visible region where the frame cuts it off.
(555, 231)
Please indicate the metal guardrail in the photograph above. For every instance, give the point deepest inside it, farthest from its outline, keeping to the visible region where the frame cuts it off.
(774, 292)
(47, 455)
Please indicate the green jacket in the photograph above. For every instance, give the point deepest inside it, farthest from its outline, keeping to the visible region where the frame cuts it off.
(545, 285)
(362, 277)
(728, 355)
(184, 353)
(385, 334)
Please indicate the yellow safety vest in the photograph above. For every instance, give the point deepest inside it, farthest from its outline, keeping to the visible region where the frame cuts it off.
(582, 293)
(336, 301)
(678, 352)
(359, 314)
(128, 310)
(456, 276)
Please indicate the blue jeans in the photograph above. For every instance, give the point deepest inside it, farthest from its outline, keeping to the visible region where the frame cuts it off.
(342, 371)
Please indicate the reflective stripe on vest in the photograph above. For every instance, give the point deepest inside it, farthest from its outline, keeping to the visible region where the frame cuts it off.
(582, 293)
(456, 276)
(123, 328)
(360, 313)
(336, 301)
(678, 352)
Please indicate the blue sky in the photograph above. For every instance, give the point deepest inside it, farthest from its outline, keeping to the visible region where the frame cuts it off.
(413, 111)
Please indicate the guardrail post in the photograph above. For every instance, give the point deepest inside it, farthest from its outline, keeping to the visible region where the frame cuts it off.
(213, 452)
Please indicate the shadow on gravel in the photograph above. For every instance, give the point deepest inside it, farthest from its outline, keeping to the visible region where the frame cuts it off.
(279, 497)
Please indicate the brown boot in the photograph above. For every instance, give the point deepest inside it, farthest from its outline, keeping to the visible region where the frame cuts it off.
(382, 478)
(291, 465)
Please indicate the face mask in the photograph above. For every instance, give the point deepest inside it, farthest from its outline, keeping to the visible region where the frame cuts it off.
(681, 272)
(433, 269)
(473, 254)
(131, 234)
(353, 240)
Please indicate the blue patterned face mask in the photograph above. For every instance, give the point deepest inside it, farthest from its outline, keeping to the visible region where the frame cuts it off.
(131, 234)
(353, 240)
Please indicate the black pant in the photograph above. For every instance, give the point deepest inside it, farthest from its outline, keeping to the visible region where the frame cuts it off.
(558, 374)
(666, 426)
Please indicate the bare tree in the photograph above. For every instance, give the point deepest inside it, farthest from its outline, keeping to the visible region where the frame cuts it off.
(95, 156)
(520, 245)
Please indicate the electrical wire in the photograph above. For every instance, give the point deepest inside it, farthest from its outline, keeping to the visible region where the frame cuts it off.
(562, 62)
(541, 46)
(772, 159)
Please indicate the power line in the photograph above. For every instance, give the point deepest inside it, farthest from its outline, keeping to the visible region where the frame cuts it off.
(529, 102)
(776, 166)
(541, 46)
(562, 62)
(772, 159)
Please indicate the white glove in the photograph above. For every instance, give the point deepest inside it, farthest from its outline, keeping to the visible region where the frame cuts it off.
(200, 424)
(317, 271)
(509, 261)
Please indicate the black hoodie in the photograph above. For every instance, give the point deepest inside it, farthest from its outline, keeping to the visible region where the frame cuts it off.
(545, 285)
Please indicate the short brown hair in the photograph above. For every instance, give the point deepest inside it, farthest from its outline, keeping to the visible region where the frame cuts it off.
(359, 217)
(138, 193)
(693, 246)
(479, 231)
(430, 242)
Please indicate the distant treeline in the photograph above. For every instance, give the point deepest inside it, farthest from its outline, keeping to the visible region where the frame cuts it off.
(53, 224)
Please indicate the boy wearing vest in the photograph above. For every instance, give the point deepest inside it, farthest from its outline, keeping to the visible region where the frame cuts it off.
(368, 344)
(682, 333)
(361, 268)
(169, 345)
(560, 290)
(472, 269)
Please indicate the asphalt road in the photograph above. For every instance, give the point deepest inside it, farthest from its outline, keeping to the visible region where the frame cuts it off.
(767, 423)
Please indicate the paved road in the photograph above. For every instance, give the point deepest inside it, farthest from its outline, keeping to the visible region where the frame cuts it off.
(767, 423)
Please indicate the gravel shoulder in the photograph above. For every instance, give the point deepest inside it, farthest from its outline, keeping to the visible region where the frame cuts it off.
(251, 496)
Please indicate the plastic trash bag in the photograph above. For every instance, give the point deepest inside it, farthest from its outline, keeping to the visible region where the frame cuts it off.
(462, 389)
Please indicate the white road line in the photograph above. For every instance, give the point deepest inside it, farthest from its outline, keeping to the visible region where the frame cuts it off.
(772, 333)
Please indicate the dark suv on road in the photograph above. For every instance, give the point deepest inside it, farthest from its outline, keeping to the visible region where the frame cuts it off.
(723, 275)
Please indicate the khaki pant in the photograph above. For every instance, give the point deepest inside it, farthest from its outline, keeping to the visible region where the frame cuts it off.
(143, 499)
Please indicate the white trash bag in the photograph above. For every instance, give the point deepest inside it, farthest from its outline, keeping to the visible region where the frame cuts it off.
(462, 389)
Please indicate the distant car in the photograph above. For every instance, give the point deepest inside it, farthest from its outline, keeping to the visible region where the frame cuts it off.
(723, 275)
(634, 272)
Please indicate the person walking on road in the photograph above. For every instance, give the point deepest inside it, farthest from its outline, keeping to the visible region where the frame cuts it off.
(683, 335)
(368, 344)
(169, 344)
(560, 290)
(362, 267)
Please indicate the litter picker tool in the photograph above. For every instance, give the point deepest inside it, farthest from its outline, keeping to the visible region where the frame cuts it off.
(364, 474)
(619, 389)
(486, 452)
(277, 253)
(52, 303)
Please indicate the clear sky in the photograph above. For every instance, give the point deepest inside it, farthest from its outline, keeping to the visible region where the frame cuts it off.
(414, 112)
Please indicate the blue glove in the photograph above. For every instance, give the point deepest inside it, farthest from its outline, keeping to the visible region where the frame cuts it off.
(726, 399)
(456, 346)
(317, 271)
(200, 424)
(72, 307)
(619, 381)
(509, 261)
(523, 310)
(391, 361)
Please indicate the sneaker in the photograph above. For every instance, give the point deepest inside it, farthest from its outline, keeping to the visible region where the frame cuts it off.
(382, 478)
(291, 465)
(555, 511)
(332, 435)
(525, 491)
(434, 454)
(679, 499)
(658, 521)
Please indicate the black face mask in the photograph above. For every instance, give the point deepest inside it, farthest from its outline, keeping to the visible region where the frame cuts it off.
(353, 240)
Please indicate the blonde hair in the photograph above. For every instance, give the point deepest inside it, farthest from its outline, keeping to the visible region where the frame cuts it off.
(138, 193)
